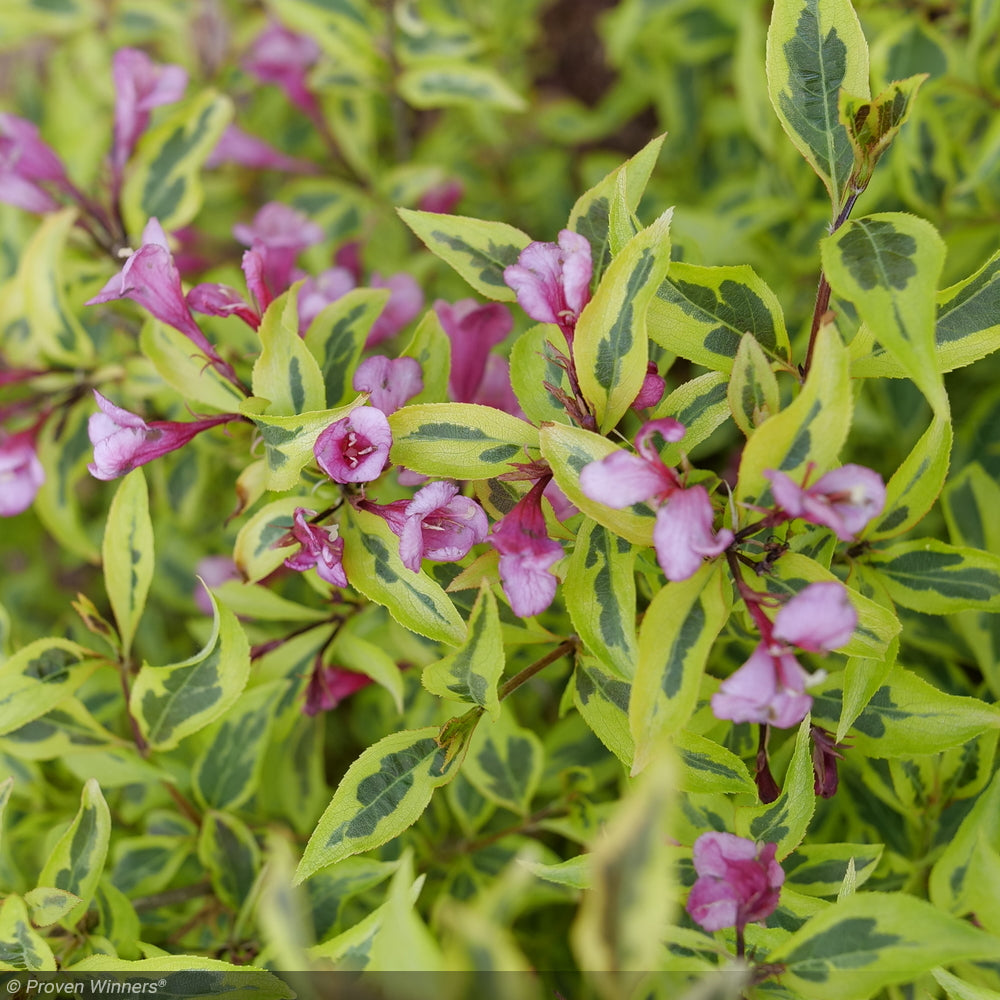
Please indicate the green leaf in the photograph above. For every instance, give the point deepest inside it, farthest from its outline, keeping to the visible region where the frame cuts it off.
(678, 630)
(443, 84)
(820, 869)
(471, 674)
(285, 372)
(146, 864)
(351, 651)
(164, 177)
(36, 678)
(47, 906)
(289, 440)
(383, 793)
(342, 28)
(702, 313)
(336, 338)
(330, 889)
(708, 767)
(870, 940)
(504, 763)
(254, 551)
(573, 873)
(229, 852)
(236, 982)
(970, 505)
(568, 450)
(431, 348)
(600, 596)
(809, 432)
(77, 860)
(609, 345)
(959, 989)
(372, 564)
(753, 389)
(117, 920)
(252, 600)
(814, 48)
(701, 405)
(461, 440)
(601, 697)
(62, 732)
(532, 365)
(786, 820)
(591, 215)
(227, 772)
(174, 701)
(127, 553)
(888, 265)
(937, 578)
(908, 717)
(21, 946)
(478, 250)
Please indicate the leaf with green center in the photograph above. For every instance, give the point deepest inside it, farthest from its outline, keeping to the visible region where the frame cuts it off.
(820, 869)
(753, 389)
(228, 850)
(602, 698)
(22, 948)
(49, 905)
(443, 84)
(504, 763)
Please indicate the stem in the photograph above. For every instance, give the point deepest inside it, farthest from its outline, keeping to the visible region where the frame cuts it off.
(170, 896)
(741, 946)
(524, 826)
(568, 645)
(141, 745)
(183, 804)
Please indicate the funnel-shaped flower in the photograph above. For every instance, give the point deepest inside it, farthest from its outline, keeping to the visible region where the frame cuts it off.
(473, 329)
(683, 535)
(278, 234)
(320, 547)
(355, 449)
(21, 474)
(284, 58)
(26, 163)
(246, 150)
(389, 382)
(440, 525)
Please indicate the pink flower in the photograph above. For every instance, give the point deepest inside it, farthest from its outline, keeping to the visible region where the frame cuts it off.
(406, 299)
(321, 548)
(278, 234)
(21, 474)
(283, 57)
(213, 299)
(651, 390)
(140, 85)
(318, 292)
(683, 534)
(472, 329)
(825, 754)
(441, 198)
(818, 619)
(355, 449)
(329, 686)
(389, 382)
(739, 881)
(844, 500)
(123, 441)
(552, 281)
(26, 163)
(214, 571)
(526, 554)
(440, 525)
(246, 150)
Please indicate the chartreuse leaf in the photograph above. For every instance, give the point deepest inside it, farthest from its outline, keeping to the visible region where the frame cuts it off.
(431, 348)
(809, 432)
(185, 370)
(852, 949)
(820, 869)
(77, 860)
(907, 716)
(55, 329)
(116, 919)
(888, 265)
(815, 47)
(343, 29)
(677, 632)
(446, 84)
(147, 863)
(49, 905)
(959, 989)
(701, 405)
(330, 889)
(36, 678)
(619, 922)
(351, 651)
(915, 485)
(5, 788)
(568, 450)
(532, 365)
(462, 440)
(702, 313)
(970, 505)
(785, 821)
(591, 215)
(936, 578)
(601, 697)
(383, 793)
(753, 389)
(471, 674)
(372, 564)
(179, 699)
(610, 349)
(127, 553)
(707, 767)
(164, 178)
(227, 772)
(235, 982)
(863, 676)
(478, 250)
(21, 946)
(253, 600)
(255, 552)
(336, 338)
(229, 852)
(289, 440)
(285, 372)
(504, 763)
(600, 596)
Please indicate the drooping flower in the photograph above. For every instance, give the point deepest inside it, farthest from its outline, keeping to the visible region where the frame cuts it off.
(26, 164)
(284, 58)
(318, 292)
(817, 619)
(683, 535)
(140, 85)
(441, 525)
(652, 389)
(278, 234)
(355, 449)
(552, 280)
(406, 299)
(390, 382)
(123, 441)
(844, 500)
(321, 548)
(246, 150)
(442, 198)
(526, 554)
(329, 686)
(211, 298)
(739, 881)
(21, 474)
(473, 329)
(825, 753)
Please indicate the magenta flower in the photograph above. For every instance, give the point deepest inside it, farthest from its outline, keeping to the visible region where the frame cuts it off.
(390, 382)
(214, 571)
(440, 525)
(26, 164)
(442, 198)
(21, 474)
(140, 85)
(473, 330)
(278, 234)
(683, 535)
(739, 881)
(329, 686)
(318, 292)
(406, 299)
(320, 548)
(214, 299)
(284, 58)
(552, 281)
(526, 554)
(818, 619)
(844, 500)
(652, 389)
(355, 449)
(123, 441)
(825, 754)
(246, 150)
